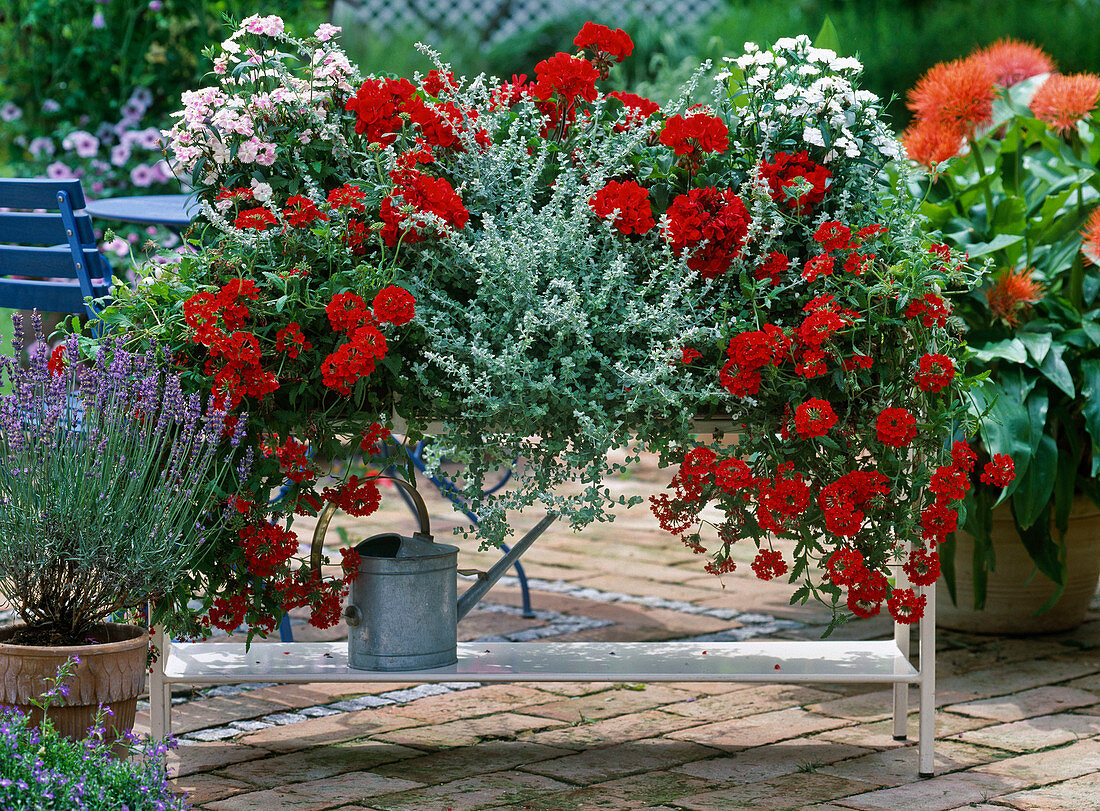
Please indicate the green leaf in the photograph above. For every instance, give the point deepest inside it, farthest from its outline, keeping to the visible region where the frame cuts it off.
(1091, 328)
(1031, 499)
(1057, 372)
(979, 525)
(1037, 343)
(1006, 427)
(827, 37)
(1042, 548)
(1011, 350)
(1065, 482)
(1090, 407)
(999, 242)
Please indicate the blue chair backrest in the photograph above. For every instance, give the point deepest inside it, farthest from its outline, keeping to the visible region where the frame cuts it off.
(54, 251)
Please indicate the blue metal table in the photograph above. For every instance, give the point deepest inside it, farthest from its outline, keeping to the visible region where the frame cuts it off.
(172, 210)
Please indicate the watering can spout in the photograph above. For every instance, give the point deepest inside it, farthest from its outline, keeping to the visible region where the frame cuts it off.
(472, 596)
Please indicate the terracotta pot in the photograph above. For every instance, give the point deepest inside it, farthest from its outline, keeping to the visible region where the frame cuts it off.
(111, 672)
(1010, 605)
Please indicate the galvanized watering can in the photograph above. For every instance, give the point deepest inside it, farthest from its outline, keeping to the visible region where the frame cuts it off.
(404, 606)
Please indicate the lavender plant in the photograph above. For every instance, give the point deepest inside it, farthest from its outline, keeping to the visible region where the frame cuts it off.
(44, 771)
(107, 486)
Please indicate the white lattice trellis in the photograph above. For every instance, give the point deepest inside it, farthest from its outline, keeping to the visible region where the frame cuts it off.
(495, 20)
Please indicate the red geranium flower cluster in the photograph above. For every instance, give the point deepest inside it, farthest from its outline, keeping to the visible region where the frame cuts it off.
(426, 195)
(694, 135)
(570, 77)
(377, 107)
(603, 41)
(628, 203)
(267, 547)
(717, 217)
(796, 181)
(637, 109)
(747, 354)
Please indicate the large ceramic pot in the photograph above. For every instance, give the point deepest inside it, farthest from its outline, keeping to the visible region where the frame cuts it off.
(1011, 600)
(111, 672)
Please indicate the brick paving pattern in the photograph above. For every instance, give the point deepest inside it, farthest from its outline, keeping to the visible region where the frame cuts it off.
(1018, 723)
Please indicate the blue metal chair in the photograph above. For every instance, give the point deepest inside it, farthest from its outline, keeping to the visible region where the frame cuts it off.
(53, 252)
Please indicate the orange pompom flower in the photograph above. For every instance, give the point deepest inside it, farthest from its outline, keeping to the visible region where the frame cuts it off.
(929, 144)
(1011, 294)
(955, 95)
(1090, 245)
(1062, 101)
(1013, 61)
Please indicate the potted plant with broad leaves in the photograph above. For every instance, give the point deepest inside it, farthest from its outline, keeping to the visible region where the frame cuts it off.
(1012, 152)
(104, 501)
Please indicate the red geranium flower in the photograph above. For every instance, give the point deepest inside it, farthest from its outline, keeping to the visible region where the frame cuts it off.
(637, 109)
(628, 203)
(377, 107)
(602, 40)
(571, 77)
(718, 217)
(796, 181)
(695, 133)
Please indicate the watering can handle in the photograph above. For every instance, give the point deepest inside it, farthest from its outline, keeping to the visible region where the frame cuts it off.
(330, 510)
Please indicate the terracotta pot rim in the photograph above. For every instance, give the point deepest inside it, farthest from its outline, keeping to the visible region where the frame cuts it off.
(137, 637)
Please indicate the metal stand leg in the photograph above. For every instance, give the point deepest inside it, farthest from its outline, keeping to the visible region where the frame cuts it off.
(160, 692)
(927, 731)
(901, 689)
(285, 632)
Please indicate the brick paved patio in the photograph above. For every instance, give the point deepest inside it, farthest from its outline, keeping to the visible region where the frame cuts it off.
(1018, 725)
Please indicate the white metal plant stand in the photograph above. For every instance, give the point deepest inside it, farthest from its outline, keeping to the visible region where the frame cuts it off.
(753, 661)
